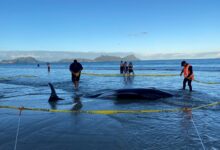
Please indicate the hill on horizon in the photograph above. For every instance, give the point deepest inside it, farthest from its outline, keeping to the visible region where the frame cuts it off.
(21, 60)
(52, 56)
(32, 60)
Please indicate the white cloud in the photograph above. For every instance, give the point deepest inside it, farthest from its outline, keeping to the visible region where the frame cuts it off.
(180, 55)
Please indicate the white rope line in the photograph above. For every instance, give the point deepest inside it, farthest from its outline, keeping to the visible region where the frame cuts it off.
(198, 134)
(16, 139)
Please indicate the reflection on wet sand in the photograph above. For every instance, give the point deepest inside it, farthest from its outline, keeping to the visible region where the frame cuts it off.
(53, 105)
(77, 104)
(128, 80)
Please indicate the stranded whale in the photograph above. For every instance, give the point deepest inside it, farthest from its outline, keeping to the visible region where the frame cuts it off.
(121, 94)
(132, 94)
(53, 95)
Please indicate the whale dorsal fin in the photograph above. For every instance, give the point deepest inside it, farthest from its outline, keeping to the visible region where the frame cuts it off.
(53, 95)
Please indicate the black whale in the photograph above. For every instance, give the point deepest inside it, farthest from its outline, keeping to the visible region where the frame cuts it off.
(53, 95)
(121, 94)
(135, 94)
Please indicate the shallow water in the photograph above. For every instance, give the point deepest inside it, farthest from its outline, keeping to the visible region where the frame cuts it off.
(26, 85)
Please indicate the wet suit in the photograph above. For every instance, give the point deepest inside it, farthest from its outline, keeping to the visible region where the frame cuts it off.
(125, 68)
(121, 68)
(48, 67)
(130, 69)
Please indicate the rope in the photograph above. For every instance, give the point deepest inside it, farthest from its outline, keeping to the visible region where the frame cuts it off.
(121, 75)
(109, 112)
(146, 75)
(115, 75)
(206, 82)
(198, 134)
(19, 122)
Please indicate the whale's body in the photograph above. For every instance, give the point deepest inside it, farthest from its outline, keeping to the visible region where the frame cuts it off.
(121, 94)
(133, 94)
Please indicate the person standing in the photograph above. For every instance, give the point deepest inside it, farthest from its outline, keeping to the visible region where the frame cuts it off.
(121, 67)
(188, 75)
(125, 68)
(75, 69)
(130, 68)
(48, 67)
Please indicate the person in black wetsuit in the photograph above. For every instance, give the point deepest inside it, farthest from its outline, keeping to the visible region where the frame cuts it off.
(48, 67)
(188, 75)
(125, 67)
(130, 68)
(121, 67)
(75, 69)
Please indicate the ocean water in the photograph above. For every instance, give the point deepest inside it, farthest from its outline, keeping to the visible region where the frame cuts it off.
(27, 85)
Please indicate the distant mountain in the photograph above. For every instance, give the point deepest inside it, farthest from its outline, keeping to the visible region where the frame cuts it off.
(78, 59)
(130, 58)
(52, 56)
(32, 60)
(107, 58)
(116, 58)
(102, 58)
(21, 60)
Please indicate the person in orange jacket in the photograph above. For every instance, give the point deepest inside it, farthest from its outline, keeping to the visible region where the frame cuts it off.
(188, 75)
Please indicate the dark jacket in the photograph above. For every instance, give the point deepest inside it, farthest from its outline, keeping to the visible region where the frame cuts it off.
(75, 67)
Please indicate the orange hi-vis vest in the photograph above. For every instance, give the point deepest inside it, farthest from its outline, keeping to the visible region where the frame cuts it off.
(187, 72)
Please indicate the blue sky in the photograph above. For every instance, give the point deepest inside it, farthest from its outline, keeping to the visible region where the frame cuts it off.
(140, 26)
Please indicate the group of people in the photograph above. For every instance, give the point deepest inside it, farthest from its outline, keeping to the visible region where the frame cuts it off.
(187, 71)
(126, 68)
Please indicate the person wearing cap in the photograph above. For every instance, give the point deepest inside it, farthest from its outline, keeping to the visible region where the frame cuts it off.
(75, 69)
(188, 75)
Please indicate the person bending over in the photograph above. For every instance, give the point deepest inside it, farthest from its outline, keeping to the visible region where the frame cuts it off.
(188, 75)
(75, 69)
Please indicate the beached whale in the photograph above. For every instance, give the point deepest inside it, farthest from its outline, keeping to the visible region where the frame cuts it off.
(121, 94)
(53, 95)
(132, 94)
